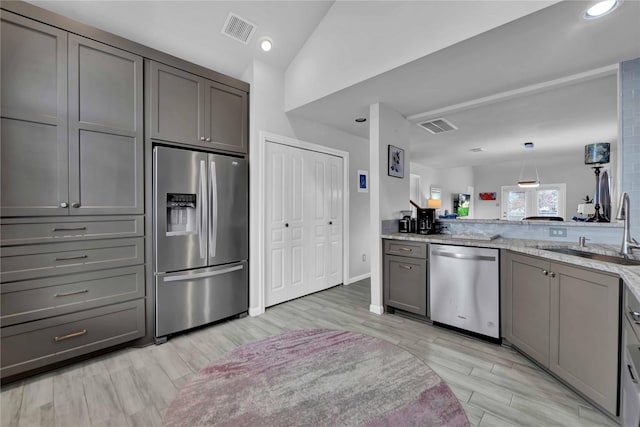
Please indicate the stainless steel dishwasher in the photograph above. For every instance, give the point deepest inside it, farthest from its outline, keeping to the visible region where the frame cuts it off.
(464, 288)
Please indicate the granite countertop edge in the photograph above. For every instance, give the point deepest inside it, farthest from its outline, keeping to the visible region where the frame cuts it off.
(629, 274)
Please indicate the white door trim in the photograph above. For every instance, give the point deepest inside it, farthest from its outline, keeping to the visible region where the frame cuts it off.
(258, 284)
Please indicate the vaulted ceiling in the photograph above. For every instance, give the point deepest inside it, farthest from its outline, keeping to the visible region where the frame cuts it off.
(504, 72)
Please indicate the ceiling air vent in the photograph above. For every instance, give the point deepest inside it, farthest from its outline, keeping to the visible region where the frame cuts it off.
(238, 28)
(437, 126)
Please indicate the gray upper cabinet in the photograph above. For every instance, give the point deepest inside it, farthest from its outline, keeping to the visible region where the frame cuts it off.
(189, 109)
(177, 104)
(34, 149)
(105, 129)
(226, 119)
(77, 157)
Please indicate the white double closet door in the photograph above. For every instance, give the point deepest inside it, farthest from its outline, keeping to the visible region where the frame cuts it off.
(303, 222)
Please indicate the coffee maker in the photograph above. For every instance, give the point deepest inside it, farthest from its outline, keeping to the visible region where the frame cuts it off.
(426, 221)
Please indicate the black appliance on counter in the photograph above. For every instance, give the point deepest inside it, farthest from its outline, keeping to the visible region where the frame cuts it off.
(426, 221)
(407, 224)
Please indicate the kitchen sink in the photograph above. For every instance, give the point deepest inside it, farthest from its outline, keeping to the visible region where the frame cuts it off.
(591, 255)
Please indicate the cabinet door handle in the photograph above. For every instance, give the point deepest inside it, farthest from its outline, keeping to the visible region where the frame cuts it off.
(71, 335)
(552, 274)
(64, 205)
(406, 267)
(202, 138)
(208, 139)
(67, 294)
(405, 249)
(71, 257)
(75, 205)
(545, 272)
(68, 228)
(286, 224)
(635, 316)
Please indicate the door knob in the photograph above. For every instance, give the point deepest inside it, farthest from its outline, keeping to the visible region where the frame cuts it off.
(202, 138)
(208, 139)
(75, 205)
(64, 205)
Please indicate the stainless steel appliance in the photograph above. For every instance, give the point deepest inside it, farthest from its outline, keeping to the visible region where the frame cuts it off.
(464, 288)
(200, 238)
(426, 221)
(631, 387)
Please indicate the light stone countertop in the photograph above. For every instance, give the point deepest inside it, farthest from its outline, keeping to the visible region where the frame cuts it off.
(629, 274)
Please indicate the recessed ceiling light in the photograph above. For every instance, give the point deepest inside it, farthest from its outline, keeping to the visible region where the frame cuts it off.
(601, 9)
(361, 119)
(266, 44)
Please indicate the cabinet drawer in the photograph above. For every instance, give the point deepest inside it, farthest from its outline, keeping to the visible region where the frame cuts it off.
(404, 248)
(54, 259)
(29, 300)
(35, 344)
(21, 231)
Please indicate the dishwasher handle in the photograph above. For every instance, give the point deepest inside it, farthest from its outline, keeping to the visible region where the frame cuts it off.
(464, 256)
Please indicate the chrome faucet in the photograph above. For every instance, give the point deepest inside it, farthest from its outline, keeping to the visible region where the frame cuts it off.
(628, 242)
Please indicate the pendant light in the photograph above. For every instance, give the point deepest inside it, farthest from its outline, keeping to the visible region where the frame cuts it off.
(528, 181)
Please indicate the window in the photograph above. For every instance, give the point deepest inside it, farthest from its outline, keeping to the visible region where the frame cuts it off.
(547, 200)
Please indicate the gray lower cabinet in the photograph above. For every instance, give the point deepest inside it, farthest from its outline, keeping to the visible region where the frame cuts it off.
(405, 276)
(526, 304)
(69, 286)
(568, 319)
(72, 124)
(36, 344)
(189, 109)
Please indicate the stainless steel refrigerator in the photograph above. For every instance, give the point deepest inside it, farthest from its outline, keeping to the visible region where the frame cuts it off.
(200, 238)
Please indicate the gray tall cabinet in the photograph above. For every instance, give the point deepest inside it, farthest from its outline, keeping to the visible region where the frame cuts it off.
(81, 110)
(72, 278)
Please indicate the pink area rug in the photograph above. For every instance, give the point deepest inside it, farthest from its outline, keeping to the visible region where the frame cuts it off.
(316, 377)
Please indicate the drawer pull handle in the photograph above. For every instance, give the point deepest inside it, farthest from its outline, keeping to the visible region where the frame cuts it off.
(69, 229)
(72, 257)
(635, 316)
(406, 267)
(72, 335)
(66, 294)
(405, 249)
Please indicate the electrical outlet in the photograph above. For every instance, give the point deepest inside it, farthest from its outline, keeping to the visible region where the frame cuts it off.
(364, 257)
(557, 232)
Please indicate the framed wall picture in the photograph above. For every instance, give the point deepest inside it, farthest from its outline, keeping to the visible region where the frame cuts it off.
(396, 161)
(363, 182)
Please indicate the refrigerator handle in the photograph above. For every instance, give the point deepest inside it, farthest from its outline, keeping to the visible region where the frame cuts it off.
(213, 224)
(202, 211)
(189, 277)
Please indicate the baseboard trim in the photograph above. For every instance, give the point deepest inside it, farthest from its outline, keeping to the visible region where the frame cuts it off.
(377, 309)
(358, 278)
(253, 312)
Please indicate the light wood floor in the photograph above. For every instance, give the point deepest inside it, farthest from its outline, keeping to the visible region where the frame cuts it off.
(496, 385)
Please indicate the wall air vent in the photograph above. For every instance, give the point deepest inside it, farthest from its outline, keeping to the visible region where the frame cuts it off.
(238, 28)
(437, 126)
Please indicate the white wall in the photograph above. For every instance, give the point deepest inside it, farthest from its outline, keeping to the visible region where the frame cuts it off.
(580, 180)
(451, 181)
(389, 195)
(267, 114)
(367, 38)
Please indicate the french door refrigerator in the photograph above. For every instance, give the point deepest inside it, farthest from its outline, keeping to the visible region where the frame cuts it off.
(200, 238)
